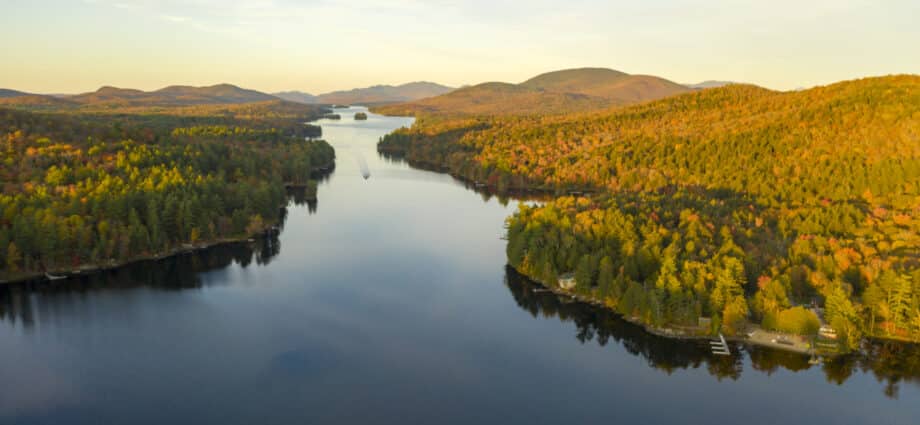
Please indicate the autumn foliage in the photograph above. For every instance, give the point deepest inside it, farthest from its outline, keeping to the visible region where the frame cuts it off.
(735, 203)
(85, 190)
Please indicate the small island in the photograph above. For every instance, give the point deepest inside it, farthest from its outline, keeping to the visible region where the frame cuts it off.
(360, 116)
(332, 116)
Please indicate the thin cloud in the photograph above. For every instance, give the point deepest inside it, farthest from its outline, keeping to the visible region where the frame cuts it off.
(176, 19)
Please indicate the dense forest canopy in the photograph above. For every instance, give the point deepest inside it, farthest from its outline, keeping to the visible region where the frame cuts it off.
(97, 189)
(736, 203)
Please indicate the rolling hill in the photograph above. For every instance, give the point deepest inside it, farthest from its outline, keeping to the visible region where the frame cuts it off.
(497, 99)
(382, 94)
(709, 84)
(297, 96)
(618, 87)
(4, 93)
(110, 94)
(221, 93)
(551, 93)
(172, 96)
(36, 101)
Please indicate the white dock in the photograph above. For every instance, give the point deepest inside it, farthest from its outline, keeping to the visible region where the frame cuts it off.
(720, 347)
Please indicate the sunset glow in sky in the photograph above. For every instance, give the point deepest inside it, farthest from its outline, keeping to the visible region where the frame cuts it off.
(61, 46)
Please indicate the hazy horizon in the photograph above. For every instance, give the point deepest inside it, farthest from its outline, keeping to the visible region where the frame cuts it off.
(321, 46)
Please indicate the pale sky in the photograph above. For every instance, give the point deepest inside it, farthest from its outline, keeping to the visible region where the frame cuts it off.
(69, 46)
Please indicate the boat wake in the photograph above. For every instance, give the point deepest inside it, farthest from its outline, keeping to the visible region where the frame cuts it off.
(362, 164)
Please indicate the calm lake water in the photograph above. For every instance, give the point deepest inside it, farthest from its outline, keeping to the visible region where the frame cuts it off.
(388, 302)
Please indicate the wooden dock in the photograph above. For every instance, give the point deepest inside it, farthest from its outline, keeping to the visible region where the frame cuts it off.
(720, 347)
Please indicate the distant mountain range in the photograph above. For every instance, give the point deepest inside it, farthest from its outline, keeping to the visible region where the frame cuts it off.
(4, 93)
(709, 84)
(118, 97)
(554, 92)
(174, 95)
(297, 96)
(220, 94)
(374, 95)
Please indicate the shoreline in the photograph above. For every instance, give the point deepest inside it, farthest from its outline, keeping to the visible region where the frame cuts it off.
(666, 333)
(183, 248)
(89, 269)
(525, 192)
(756, 336)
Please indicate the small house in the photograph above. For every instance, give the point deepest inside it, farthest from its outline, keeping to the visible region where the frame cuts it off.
(567, 281)
(827, 332)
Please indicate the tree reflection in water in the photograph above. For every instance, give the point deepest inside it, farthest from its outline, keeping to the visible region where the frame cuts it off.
(180, 272)
(891, 363)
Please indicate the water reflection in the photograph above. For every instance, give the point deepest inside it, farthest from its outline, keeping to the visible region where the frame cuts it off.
(171, 273)
(891, 363)
(485, 192)
(300, 196)
(388, 299)
(19, 301)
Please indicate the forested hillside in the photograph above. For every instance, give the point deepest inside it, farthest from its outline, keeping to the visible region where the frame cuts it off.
(384, 94)
(559, 92)
(496, 99)
(297, 96)
(35, 101)
(11, 93)
(735, 203)
(89, 190)
(618, 87)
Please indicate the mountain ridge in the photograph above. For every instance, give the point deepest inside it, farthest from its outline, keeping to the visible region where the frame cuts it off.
(710, 84)
(297, 96)
(173, 95)
(562, 91)
(381, 93)
(5, 93)
(617, 86)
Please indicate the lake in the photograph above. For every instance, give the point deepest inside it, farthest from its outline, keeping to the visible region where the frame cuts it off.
(388, 302)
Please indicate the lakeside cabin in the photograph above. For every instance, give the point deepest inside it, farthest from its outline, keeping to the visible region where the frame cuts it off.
(567, 281)
(704, 323)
